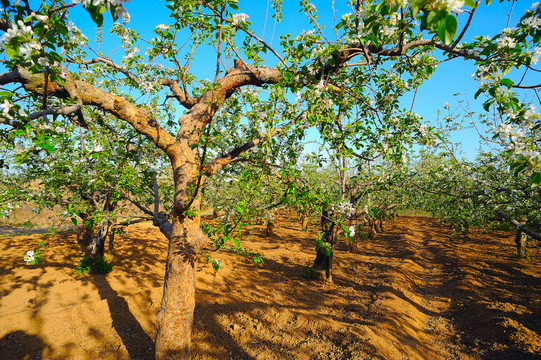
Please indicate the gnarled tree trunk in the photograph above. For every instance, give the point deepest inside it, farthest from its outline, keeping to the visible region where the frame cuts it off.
(97, 247)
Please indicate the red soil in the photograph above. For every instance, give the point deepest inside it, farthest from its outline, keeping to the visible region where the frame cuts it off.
(412, 293)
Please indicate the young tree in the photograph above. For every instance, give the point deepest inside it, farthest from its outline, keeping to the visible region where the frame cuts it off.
(382, 50)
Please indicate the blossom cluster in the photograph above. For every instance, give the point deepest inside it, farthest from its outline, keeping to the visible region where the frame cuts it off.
(239, 19)
(343, 208)
(454, 5)
(116, 4)
(6, 108)
(30, 44)
(6, 210)
(29, 257)
(517, 138)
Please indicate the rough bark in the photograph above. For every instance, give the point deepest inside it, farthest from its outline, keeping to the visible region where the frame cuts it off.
(97, 246)
(175, 318)
(372, 232)
(379, 225)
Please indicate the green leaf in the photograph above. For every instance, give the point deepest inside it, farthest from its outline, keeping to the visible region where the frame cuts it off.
(74, 221)
(470, 3)
(21, 158)
(450, 29)
(535, 179)
(12, 50)
(237, 242)
(519, 169)
(507, 82)
(488, 2)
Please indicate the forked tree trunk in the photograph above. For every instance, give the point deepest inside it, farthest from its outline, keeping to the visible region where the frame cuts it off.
(379, 225)
(97, 247)
(269, 230)
(371, 229)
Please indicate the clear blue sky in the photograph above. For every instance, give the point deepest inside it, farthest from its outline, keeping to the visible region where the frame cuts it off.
(450, 77)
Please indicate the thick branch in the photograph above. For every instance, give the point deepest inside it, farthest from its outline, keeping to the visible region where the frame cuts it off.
(193, 122)
(14, 123)
(519, 226)
(183, 98)
(139, 117)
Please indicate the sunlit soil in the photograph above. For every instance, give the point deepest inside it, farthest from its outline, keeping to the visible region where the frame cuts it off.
(412, 293)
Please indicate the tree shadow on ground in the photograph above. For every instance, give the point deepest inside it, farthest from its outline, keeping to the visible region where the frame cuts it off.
(18, 345)
(495, 301)
(137, 342)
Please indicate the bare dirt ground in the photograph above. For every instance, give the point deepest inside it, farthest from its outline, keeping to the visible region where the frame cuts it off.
(412, 293)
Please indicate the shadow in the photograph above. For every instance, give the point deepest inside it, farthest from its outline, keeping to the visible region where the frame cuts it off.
(137, 342)
(495, 299)
(18, 345)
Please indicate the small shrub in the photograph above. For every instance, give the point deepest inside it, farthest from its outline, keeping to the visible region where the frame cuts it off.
(99, 266)
(308, 272)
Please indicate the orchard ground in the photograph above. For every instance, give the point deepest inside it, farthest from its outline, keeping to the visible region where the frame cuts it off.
(412, 293)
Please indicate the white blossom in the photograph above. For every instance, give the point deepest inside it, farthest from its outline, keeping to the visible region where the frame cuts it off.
(387, 31)
(29, 257)
(6, 107)
(43, 61)
(505, 41)
(532, 22)
(239, 18)
(455, 5)
(535, 55)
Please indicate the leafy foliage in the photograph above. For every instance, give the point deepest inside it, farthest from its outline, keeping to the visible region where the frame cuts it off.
(98, 266)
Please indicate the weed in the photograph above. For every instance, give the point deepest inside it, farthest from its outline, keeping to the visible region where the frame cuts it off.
(99, 266)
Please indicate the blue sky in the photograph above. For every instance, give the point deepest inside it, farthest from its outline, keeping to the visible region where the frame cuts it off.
(450, 77)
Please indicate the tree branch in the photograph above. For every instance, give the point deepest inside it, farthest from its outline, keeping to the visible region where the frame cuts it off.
(518, 225)
(181, 95)
(110, 63)
(13, 123)
(211, 100)
(213, 166)
(139, 117)
(64, 110)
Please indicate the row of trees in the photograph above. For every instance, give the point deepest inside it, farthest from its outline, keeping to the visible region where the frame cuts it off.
(98, 131)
